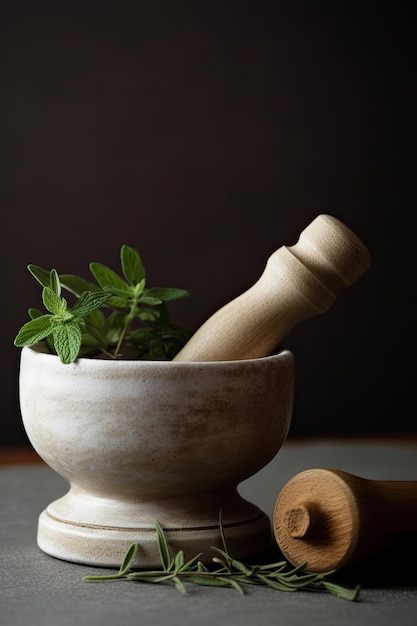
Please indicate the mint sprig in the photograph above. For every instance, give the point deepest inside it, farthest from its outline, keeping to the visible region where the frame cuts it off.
(117, 313)
(63, 323)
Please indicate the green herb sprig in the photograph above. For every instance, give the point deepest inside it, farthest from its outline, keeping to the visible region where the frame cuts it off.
(227, 572)
(113, 315)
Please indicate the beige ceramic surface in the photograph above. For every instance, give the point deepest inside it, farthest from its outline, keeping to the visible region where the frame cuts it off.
(143, 440)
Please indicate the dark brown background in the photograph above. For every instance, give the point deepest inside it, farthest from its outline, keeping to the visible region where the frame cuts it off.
(207, 135)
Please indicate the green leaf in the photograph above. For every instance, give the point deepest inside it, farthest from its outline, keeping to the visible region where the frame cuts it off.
(54, 303)
(275, 584)
(295, 570)
(89, 342)
(148, 315)
(149, 300)
(107, 278)
(241, 567)
(341, 592)
(113, 326)
(167, 293)
(128, 559)
(178, 584)
(67, 339)
(191, 563)
(96, 318)
(126, 294)
(88, 301)
(142, 335)
(276, 567)
(224, 564)
(164, 550)
(179, 560)
(55, 283)
(132, 265)
(201, 567)
(119, 302)
(76, 284)
(235, 584)
(34, 313)
(300, 580)
(34, 331)
(42, 276)
(151, 577)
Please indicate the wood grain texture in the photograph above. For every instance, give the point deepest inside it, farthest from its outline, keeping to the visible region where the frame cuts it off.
(331, 519)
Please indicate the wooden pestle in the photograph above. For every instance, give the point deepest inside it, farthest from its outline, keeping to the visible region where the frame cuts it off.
(298, 282)
(331, 519)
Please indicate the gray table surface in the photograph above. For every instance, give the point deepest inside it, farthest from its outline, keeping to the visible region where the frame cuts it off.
(39, 590)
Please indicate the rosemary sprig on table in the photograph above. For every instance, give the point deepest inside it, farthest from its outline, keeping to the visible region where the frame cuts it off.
(229, 572)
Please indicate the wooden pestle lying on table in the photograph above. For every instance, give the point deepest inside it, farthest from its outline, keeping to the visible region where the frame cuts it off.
(298, 282)
(332, 519)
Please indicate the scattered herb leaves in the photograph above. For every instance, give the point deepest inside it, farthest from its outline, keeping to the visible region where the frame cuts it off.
(229, 572)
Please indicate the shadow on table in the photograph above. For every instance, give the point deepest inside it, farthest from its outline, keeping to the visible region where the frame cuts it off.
(391, 568)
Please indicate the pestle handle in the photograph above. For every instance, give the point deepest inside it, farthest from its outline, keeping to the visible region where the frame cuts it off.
(298, 282)
(331, 519)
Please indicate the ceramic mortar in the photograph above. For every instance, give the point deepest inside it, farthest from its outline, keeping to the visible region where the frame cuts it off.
(139, 441)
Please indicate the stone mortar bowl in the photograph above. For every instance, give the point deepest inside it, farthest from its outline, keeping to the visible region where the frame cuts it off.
(140, 441)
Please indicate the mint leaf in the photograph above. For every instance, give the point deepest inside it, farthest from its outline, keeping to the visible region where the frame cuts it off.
(132, 265)
(41, 275)
(67, 339)
(54, 303)
(34, 331)
(76, 284)
(166, 293)
(54, 282)
(107, 278)
(88, 301)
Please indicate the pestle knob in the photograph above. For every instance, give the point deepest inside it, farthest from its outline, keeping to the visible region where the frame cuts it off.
(331, 519)
(298, 282)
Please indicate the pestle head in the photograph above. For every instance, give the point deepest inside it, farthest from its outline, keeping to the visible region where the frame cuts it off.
(332, 252)
(316, 520)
